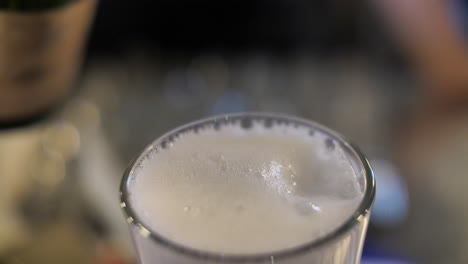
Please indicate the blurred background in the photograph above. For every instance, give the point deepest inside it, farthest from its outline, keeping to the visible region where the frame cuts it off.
(390, 75)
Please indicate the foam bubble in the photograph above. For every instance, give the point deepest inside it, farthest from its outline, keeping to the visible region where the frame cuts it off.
(245, 187)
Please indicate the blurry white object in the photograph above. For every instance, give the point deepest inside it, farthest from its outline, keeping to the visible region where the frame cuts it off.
(100, 172)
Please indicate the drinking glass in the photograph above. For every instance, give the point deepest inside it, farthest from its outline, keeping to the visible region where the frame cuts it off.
(342, 245)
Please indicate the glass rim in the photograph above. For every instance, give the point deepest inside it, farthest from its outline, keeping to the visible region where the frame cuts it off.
(359, 214)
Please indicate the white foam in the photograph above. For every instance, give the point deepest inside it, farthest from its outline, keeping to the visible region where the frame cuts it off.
(245, 191)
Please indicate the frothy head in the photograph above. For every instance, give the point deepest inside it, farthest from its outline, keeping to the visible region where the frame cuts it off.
(242, 185)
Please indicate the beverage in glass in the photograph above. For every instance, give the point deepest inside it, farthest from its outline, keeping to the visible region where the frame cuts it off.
(249, 188)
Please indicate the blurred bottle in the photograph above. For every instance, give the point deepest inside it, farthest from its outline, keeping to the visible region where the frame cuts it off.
(41, 45)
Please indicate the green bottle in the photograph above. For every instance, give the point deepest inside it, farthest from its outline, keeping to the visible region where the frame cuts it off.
(41, 48)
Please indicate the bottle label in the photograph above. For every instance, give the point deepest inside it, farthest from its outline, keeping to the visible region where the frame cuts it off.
(40, 54)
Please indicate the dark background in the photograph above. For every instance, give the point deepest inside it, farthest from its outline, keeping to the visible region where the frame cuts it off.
(322, 27)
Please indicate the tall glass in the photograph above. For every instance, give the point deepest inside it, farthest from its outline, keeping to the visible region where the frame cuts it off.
(342, 245)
